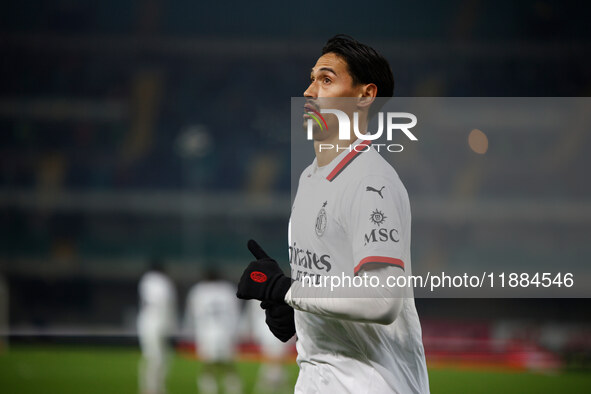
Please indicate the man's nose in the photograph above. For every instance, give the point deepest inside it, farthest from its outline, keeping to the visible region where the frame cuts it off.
(311, 92)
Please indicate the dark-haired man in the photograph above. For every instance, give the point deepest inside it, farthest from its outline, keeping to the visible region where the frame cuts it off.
(356, 340)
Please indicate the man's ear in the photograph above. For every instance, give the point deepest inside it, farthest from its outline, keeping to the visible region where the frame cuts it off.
(367, 95)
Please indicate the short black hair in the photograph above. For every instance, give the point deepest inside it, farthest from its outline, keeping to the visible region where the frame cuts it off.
(365, 64)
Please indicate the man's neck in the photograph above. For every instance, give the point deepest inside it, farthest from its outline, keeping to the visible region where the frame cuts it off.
(331, 147)
(327, 150)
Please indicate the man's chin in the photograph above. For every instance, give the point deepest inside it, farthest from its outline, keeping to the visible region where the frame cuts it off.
(315, 129)
(320, 137)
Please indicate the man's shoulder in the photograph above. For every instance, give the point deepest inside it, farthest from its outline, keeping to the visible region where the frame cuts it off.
(371, 164)
(372, 172)
(153, 278)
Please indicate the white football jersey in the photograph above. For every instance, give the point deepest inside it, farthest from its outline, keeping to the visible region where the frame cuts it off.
(158, 300)
(349, 213)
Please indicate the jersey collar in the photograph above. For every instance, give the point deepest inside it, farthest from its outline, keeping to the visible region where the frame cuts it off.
(342, 161)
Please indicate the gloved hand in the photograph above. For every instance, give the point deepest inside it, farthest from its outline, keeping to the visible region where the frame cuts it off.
(280, 320)
(263, 279)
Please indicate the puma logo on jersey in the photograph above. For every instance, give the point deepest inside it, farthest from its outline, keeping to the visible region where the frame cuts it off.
(371, 189)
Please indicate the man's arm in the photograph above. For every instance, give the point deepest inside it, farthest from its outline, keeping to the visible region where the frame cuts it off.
(367, 304)
(264, 280)
(377, 229)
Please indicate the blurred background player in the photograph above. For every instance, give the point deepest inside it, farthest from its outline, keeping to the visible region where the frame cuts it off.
(272, 376)
(156, 324)
(213, 313)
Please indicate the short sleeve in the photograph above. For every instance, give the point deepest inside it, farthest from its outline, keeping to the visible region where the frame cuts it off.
(375, 224)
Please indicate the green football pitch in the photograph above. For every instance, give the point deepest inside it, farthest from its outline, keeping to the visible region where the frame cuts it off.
(68, 370)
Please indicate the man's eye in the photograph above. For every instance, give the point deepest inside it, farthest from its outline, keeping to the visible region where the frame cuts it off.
(327, 80)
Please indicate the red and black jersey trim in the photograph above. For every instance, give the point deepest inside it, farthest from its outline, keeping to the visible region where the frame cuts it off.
(355, 152)
(379, 260)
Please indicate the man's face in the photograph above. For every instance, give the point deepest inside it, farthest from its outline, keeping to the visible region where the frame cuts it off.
(329, 79)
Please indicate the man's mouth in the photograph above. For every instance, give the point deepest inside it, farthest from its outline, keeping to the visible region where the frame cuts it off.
(309, 108)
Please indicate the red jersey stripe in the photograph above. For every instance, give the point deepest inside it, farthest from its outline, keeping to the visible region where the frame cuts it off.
(348, 159)
(380, 260)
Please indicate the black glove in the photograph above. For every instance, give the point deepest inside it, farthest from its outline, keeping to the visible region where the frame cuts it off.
(279, 318)
(263, 279)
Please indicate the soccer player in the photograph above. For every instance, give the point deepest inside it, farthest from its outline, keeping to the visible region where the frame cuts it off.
(156, 324)
(214, 312)
(370, 340)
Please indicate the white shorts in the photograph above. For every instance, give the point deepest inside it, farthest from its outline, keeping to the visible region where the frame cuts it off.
(215, 346)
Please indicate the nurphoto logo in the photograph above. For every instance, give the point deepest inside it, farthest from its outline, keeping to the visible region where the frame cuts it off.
(344, 124)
